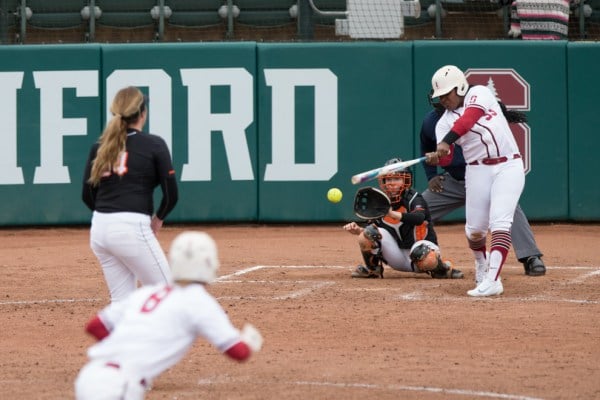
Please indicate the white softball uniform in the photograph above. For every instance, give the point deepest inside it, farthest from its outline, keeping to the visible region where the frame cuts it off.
(128, 251)
(490, 137)
(153, 330)
(494, 177)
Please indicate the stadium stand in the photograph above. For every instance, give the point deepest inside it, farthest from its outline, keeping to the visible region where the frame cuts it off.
(192, 20)
(124, 21)
(475, 19)
(44, 21)
(322, 19)
(8, 21)
(275, 19)
(586, 24)
(265, 13)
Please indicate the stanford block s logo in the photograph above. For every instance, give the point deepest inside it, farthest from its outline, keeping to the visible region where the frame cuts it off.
(511, 89)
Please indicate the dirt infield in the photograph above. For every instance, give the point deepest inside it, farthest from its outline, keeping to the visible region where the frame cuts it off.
(326, 336)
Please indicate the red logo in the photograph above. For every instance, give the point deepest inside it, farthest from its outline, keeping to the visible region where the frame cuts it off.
(511, 89)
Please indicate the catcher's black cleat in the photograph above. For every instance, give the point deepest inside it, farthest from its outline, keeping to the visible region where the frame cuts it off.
(363, 272)
(534, 266)
(446, 271)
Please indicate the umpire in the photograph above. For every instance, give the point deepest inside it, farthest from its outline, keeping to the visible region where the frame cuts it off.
(446, 193)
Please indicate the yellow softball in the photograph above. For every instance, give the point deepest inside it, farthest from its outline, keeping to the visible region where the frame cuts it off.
(334, 195)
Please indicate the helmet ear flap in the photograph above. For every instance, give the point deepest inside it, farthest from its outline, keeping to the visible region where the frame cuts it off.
(461, 90)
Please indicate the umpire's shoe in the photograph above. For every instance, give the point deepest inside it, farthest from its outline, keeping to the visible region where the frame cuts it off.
(534, 266)
(368, 272)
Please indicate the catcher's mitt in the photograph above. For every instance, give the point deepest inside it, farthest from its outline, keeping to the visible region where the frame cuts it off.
(371, 203)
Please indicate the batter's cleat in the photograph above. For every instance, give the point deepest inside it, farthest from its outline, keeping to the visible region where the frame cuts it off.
(363, 272)
(480, 271)
(534, 266)
(446, 271)
(487, 288)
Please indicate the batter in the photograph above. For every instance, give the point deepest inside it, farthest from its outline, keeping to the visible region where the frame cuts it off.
(494, 176)
(446, 193)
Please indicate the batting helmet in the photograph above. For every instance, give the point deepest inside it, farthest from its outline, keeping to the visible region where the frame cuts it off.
(193, 257)
(390, 183)
(447, 78)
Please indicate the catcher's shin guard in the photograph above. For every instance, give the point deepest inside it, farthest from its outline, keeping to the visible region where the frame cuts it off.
(372, 234)
(363, 272)
(373, 267)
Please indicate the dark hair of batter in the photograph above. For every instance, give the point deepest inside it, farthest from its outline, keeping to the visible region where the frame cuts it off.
(128, 105)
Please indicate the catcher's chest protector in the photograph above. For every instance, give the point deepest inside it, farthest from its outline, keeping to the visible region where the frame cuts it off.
(407, 234)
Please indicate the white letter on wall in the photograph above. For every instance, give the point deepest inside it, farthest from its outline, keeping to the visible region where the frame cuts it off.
(233, 125)
(52, 124)
(10, 173)
(283, 166)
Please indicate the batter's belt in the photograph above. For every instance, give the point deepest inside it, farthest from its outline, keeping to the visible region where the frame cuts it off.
(494, 161)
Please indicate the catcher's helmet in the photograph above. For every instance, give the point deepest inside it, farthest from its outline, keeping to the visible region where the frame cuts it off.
(391, 186)
(193, 257)
(447, 78)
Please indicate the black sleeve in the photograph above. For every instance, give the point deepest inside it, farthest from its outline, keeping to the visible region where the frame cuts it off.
(451, 137)
(418, 211)
(170, 196)
(416, 217)
(167, 179)
(88, 193)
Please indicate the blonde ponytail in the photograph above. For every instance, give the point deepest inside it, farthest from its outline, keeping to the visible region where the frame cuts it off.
(126, 108)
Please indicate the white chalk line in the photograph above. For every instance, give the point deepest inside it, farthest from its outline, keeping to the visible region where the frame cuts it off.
(259, 267)
(595, 271)
(371, 386)
(419, 296)
(422, 296)
(49, 301)
(413, 296)
(583, 278)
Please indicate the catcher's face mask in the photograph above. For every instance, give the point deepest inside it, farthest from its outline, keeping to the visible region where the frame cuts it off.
(394, 184)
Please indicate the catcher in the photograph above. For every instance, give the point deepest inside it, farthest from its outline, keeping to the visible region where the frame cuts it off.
(399, 232)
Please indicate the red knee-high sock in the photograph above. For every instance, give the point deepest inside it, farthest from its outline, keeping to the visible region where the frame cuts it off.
(501, 242)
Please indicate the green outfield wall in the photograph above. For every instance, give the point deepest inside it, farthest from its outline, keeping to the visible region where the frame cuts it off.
(259, 132)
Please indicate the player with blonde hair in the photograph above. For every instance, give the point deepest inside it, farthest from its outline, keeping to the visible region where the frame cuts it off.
(122, 171)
